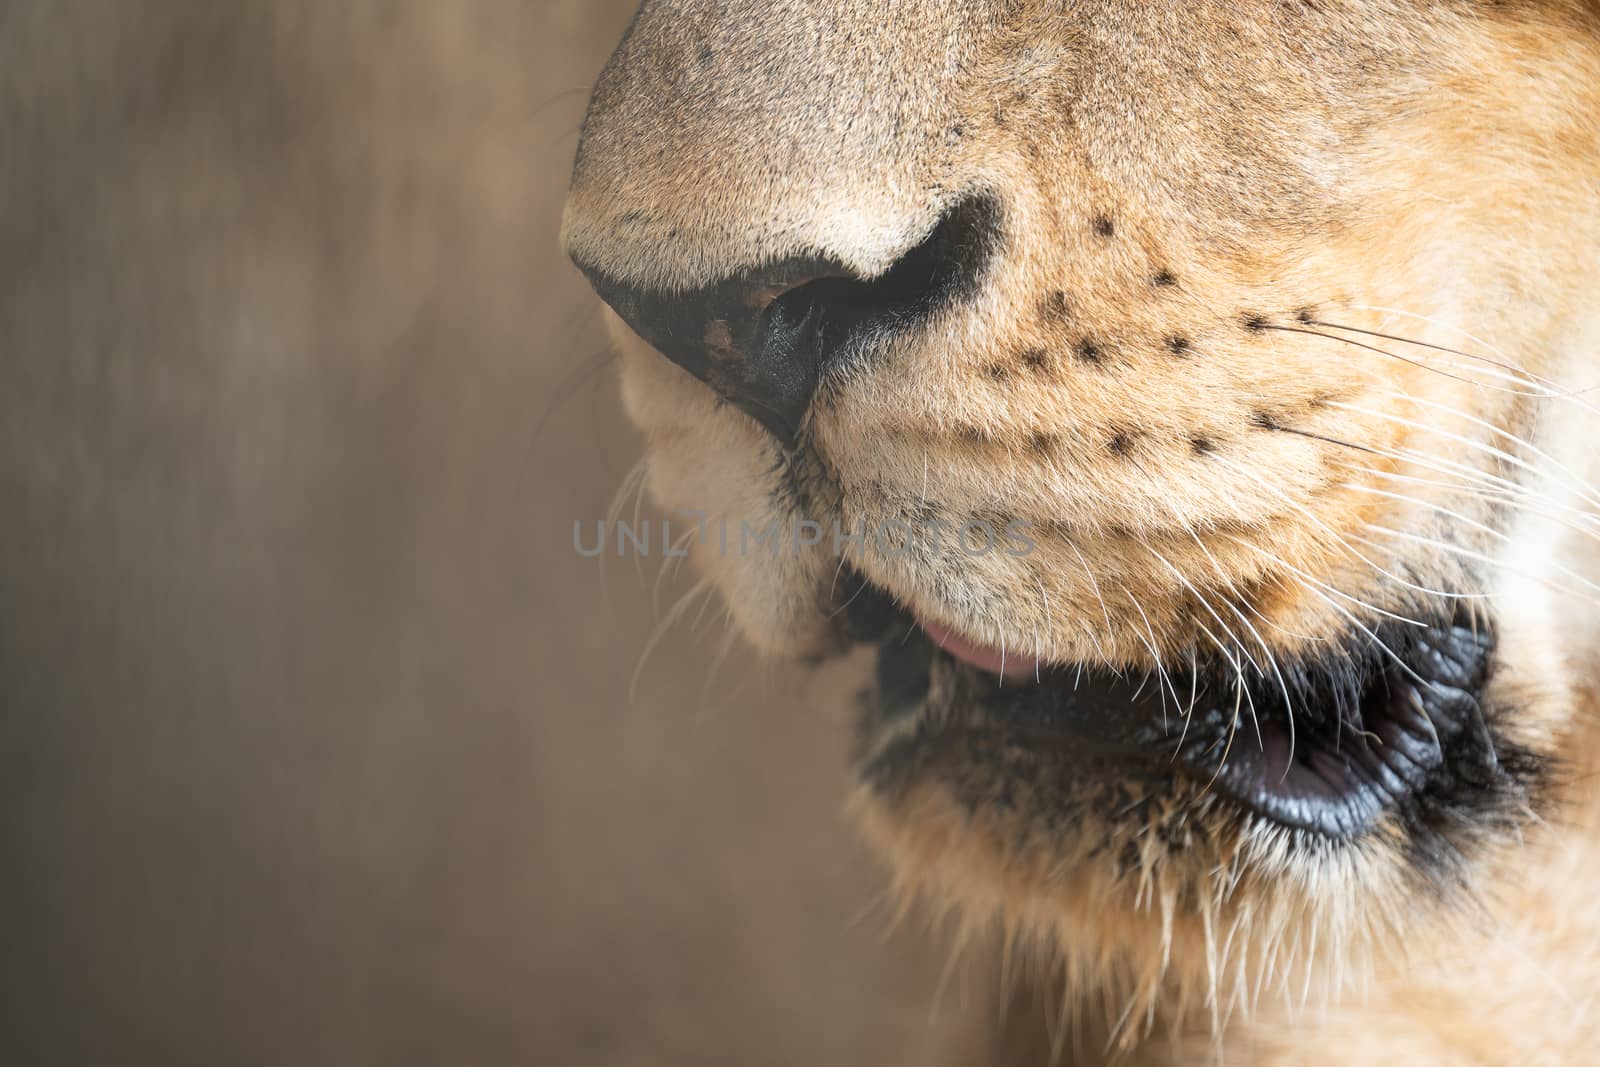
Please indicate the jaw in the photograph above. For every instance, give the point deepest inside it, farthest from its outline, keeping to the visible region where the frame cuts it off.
(1157, 897)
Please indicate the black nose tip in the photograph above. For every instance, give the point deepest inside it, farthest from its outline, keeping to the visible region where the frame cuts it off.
(765, 339)
(759, 350)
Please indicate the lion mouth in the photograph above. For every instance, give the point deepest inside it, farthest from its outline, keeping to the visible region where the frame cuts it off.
(1007, 665)
(1329, 744)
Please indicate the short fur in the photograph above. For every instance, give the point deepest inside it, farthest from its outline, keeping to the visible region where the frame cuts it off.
(1286, 329)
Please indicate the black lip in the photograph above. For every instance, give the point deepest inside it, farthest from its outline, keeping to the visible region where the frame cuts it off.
(1375, 728)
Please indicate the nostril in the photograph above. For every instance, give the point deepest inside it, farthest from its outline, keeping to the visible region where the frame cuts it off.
(944, 268)
(766, 339)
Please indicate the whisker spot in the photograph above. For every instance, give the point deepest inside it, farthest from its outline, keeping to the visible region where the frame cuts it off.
(1056, 307)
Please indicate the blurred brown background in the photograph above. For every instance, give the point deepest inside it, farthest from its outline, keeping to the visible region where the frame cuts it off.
(315, 738)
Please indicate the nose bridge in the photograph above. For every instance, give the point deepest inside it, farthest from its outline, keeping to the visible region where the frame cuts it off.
(728, 134)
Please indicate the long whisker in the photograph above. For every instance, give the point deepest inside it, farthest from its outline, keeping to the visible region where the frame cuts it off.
(1587, 491)
(1577, 480)
(674, 555)
(1161, 670)
(1338, 538)
(1490, 482)
(1288, 701)
(1581, 525)
(1272, 659)
(1510, 368)
(1200, 597)
(1240, 645)
(1306, 578)
(1403, 359)
(699, 589)
(1442, 510)
(1486, 345)
(1479, 557)
(1094, 585)
(1419, 459)
(1374, 638)
(1049, 629)
(633, 484)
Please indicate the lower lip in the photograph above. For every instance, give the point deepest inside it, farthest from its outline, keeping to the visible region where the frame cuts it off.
(1006, 665)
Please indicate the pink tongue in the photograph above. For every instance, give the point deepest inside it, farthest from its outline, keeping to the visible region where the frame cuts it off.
(1011, 665)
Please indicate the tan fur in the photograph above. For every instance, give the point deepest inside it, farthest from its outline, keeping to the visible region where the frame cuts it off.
(1425, 170)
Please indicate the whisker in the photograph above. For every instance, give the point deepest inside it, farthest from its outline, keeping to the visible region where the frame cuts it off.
(1265, 648)
(1508, 367)
(1424, 461)
(1049, 628)
(1161, 670)
(672, 560)
(1588, 492)
(1200, 597)
(1489, 482)
(1577, 480)
(1394, 355)
(633, 484)
(1458, 331)
(1442, 510)
(1374, 638)
(1094, 585)
(1338, 538)
(699, 589)
(1238, 669)
(1494, 498)
(1304, 578)
(1467, 553)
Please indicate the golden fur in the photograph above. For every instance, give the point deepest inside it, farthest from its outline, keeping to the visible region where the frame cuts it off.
(1289, 328)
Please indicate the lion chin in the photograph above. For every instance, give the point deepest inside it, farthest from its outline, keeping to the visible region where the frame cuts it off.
(1189, 406)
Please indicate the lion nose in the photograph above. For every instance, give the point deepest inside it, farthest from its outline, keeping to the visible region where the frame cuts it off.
(760, 340)
(765, 339)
